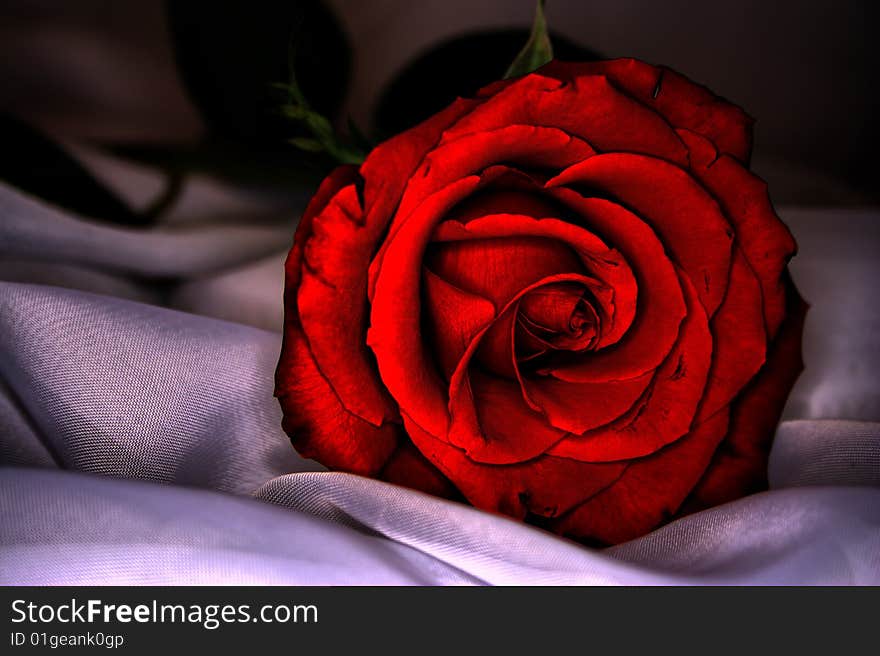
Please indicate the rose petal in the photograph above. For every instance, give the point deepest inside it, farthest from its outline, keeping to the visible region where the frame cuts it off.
(740, 339)
(409, 468)
(496, 352)
(683, 215)
(683, 103)
(332, 305)
(764, 239)
(529, 341)
(454, 317)
(579, 407)
(740, 464)
(395, 335)
(586, 106)
(527, 146)
(498, 268)
(404, 366)
(547, 486)
(524, 199)
(666, 412)
(390, 164)
(340, 177)
(505, 429)
(319, 425)
(648, 492)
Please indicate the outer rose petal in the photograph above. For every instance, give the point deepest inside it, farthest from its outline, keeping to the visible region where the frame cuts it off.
(545, 486)
(339, 178)
(409, 468)
(319, 425)
(605, 117)
(406, 367)
(740, 465)
(763, 238)
(683, 103)
(649, 491)
(740, 339)
(390, 165)
(332, 303)
(339, 265)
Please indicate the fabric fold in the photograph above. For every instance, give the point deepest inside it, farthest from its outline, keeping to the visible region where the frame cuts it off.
(126, 395)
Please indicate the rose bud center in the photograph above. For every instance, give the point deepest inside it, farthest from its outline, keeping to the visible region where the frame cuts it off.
(556, 316)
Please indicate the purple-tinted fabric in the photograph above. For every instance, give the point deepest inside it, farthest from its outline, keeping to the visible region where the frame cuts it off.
(142, 444)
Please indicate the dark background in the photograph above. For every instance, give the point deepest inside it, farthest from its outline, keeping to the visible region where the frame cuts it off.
(185, 85)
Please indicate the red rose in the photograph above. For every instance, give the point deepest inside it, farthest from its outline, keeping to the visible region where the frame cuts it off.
(565, 300)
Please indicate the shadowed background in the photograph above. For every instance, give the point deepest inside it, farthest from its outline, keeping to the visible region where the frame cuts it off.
(185, 84)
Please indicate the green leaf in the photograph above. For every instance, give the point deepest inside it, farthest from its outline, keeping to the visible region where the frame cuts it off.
(320, 126)
(296, 95)
(538, 49)
(295, 112)
(281, 86)
(308, 145)
(325, 138)
(345, 155)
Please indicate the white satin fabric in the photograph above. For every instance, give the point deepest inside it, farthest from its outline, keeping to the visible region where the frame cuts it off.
(142, 444)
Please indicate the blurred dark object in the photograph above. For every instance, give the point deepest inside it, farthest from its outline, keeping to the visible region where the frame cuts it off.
(184, 87)
(267, 166)
(96, 70)
(34, 163)
(457, 67)
(184, 84)
(229, 55)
